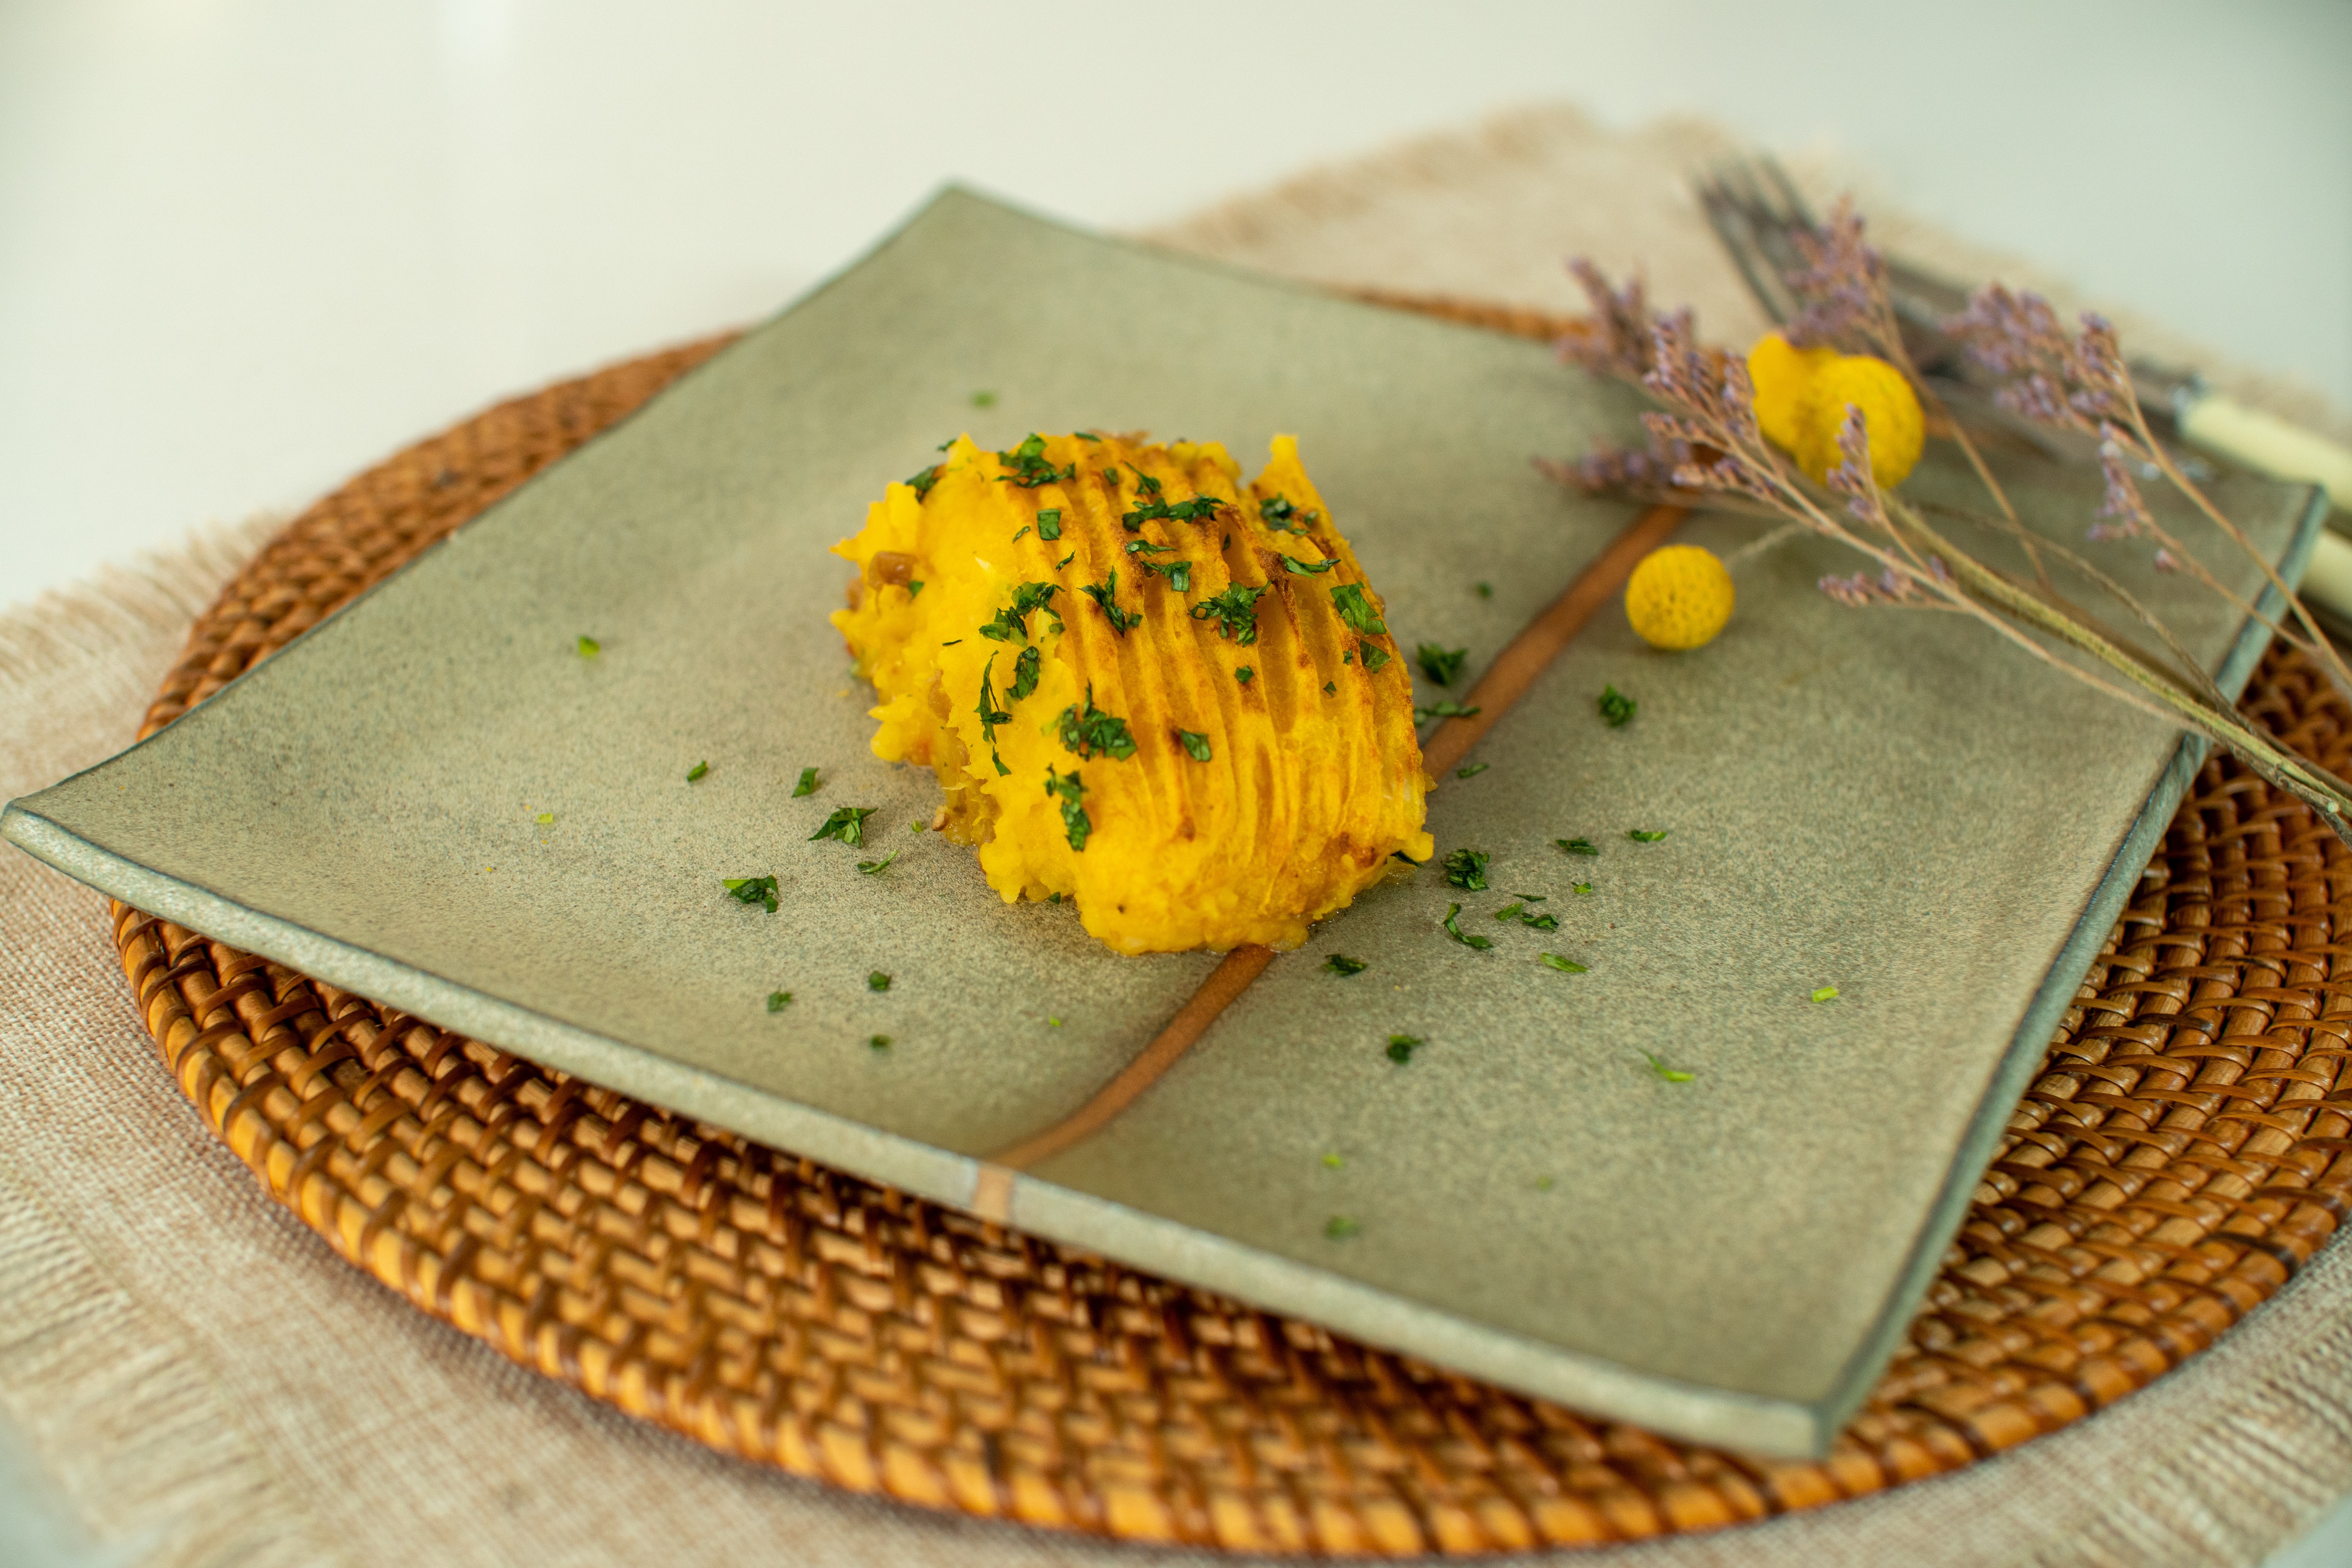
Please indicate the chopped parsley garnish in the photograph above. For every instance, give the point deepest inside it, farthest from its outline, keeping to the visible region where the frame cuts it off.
(779, 1000)
(984, 400)
(1297, 568)
(1332, 1162)
(871, 867)
(1196, 746)
(1049, 522)
(879, 1042)
(1540, 923)
(1645, 835)
(1473, 770)
(1349, 599)
(1566, 966)
(695, 772)
(1143, 481)
(1440, 665)
(1088, 731)
(1453, 923)
(1234, 611)
(1341, 963)
(1086, 436)
(1011, 623)
(1101, 594)
(1200, 509)
(1402, 1047)
(1616, 707)
(1485, 590)
(1331, 688)
(1017, 534)
(1339, 1227)
(1178, 572)
(1145, 547)
(752, 891)
(877, 981)
(1243, 674)
(1577, 847)
(1280, 513)
(1467, 868)
(1543, 1183)
(1024, 675)
(1448, 708)
(1065, 560)
(1507, 910)
(589, 647)
(1376, 658)
(847, 824)
(991, 715)
(1826, 994)
(1074, 816)
(924, 480)
(1672, 1074)
(545, 817)
(1030, 467)
(915, 590)
(1580, 889)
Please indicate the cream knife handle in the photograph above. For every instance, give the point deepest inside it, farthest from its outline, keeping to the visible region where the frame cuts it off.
(2267, 444)
(2250, 438)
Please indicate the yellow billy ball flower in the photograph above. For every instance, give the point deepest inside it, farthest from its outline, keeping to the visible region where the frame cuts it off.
(1782, 374)
(1890, 412)
(1678, 598)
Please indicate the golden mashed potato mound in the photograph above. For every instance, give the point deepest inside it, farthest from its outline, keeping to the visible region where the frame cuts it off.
(1143, 687)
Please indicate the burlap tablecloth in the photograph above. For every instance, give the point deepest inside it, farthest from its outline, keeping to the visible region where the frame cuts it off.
(207, 1382)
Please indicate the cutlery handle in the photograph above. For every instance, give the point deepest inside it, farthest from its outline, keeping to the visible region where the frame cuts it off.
(2250, 438)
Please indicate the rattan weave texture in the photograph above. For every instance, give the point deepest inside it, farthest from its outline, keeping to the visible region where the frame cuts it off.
(2186, 1147)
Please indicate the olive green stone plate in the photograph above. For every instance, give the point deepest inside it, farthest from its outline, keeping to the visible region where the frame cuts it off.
(435, 800)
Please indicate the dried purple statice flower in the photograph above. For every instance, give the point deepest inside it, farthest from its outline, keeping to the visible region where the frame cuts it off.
(2070, 383)
(1619, 343)
(1853, 477)
(1607, 468)
(1842, 288)
(2122, 500)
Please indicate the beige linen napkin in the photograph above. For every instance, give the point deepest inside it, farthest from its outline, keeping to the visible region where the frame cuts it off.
(207, 1382)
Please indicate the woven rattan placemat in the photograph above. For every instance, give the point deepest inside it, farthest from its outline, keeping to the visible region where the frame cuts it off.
(2181, 1155)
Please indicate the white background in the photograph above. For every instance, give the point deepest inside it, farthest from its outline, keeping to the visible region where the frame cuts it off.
(247, 247)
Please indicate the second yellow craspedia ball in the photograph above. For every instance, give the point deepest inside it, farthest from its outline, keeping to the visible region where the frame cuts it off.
(1890, 412)
(1678, 598)
(1782, 374)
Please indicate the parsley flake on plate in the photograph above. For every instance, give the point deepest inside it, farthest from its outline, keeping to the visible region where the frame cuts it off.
(1341, 1227)
(589, 647)
(695, 772)
(807, 785)
(1196, 746)
(545, 817)
(1540, 923)
(1402, 1047)
(1445, 709)
(1332, 1162)
(752, 891)
(1826, 994)
(1577, 847)
(1440, 665)
(1341, 963)
(1580, 889)
(847, 824)
(877, 981)
(1485, 590)
(779, 1000)
(1645, 835)
(1672, 1074)
(1473, 770)
(1467, 868)
(879, 1042)
(984, 400)
(1453, 923)
(871, 867)
(1616, 707)
(1566, 966)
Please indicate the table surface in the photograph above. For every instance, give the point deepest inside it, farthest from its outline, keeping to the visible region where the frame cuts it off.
(261, 243)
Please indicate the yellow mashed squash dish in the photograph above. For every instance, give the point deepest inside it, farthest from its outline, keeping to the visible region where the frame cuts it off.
(1144, 686)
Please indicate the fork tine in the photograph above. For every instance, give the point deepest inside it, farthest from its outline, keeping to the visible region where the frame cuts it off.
(1732, 215)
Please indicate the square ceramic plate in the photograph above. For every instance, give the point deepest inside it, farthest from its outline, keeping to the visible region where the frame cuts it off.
(434, 800)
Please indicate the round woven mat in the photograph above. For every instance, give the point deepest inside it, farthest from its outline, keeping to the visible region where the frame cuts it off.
(2181, 1154)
